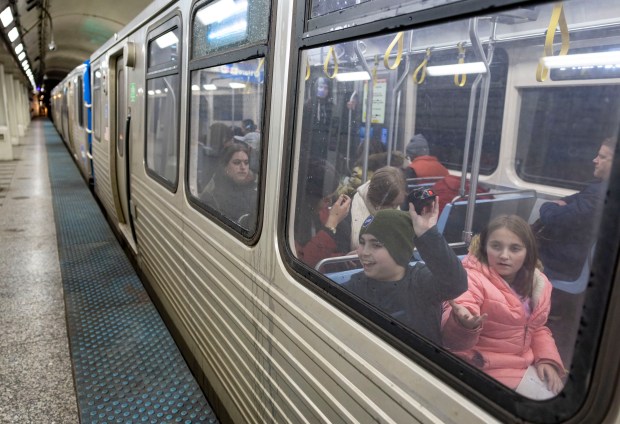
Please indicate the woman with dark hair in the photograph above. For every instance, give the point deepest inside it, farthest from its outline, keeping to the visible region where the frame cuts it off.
(232, 190)
(499, 324)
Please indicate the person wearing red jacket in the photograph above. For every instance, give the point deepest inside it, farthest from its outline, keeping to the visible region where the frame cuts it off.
(422, 164)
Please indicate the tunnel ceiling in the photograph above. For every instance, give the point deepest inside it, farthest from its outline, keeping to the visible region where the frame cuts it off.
(77, 28)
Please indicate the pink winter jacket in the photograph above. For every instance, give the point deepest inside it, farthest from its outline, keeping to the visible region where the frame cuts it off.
(508, 341)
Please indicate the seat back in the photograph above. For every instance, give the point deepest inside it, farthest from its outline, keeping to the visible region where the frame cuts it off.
(579, 285)
(451, 222)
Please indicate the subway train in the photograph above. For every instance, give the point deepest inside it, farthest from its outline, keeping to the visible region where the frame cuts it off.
(219, 136)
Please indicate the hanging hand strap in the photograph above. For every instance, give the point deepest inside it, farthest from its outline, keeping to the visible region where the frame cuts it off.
(460, 80)
(330, 54)
(420, 72)
(399, 39)
(557, 18)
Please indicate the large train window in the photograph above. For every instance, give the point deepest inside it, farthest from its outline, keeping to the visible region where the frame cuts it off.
(79, 100)
(227, 103)
(418, 115)
(560, 132)
(162, 103)
(97, 106)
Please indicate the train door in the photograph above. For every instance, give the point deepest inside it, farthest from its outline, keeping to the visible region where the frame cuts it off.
(121, 155)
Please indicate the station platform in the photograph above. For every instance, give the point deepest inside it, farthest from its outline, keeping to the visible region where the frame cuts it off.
(81, 340)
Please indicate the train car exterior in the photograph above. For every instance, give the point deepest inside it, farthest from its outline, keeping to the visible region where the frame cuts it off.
(221, 128)
(71, 115)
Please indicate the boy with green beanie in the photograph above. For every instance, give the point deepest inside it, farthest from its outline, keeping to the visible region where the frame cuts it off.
(413, 294)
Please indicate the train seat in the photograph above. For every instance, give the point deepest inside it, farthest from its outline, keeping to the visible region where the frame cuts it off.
(451, 222)
(579, 285)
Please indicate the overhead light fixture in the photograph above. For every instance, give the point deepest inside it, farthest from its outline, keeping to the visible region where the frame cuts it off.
(456, 69)
(195, 87)
(19, 48)
(236, 85)
(611, 58)
(166, 40)
(6, 17)
(237, 27)
(211, 87)
(352, 76)
(25, 64)
(13, 34)
(21, 56)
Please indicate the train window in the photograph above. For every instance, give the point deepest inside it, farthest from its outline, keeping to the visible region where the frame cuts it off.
(560, 131)
(225, 140)
(162, 116)
(97, 106)
(470, 95)
(223, 24)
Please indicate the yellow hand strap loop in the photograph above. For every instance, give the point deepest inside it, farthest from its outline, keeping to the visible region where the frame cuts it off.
(421, 69)
(460, 80)
(557, 18)
(307, 69)
(399, 54)
(330, 54)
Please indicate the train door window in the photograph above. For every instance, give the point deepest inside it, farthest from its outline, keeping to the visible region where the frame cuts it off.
(227, 111)
(162, 103)
(97, 106)
(371, 108)
(79, 100)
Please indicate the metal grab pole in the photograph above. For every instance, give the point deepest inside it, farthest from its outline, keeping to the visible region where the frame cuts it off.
(482, 112)
(395, 109)
(362, 60)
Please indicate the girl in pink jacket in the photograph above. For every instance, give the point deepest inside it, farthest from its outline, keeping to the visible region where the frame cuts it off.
(499, 324)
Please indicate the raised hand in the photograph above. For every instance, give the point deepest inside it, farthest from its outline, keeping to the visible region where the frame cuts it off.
(427, 219)
(338, 211)
(465, 317)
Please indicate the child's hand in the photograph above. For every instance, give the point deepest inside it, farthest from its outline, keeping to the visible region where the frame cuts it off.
(465, 317)
(548, 374)
(426, 220)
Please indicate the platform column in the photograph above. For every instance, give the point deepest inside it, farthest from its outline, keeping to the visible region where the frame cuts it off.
(12, 113)
(6, 148)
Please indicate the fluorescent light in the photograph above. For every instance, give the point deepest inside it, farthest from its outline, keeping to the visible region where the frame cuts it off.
(166, 40)
(13, 34)
(19, 48)
(21, 56)
(195, 87)
(353, 76)
(210, 87)
(6, 16)
(151, 93)
(456, 69)
(221, 10)
(582, 60)
(236, 85)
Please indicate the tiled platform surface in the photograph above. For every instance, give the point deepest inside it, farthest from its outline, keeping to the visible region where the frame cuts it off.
(127, 368)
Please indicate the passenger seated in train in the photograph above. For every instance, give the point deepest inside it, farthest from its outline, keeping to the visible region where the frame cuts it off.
(232, 190)
(322, 220)
(385, 190)
(251, 138)
(422, 164)
(350, 184)
(565, 230)
(447, 189)
(412, 294)
(499, 324)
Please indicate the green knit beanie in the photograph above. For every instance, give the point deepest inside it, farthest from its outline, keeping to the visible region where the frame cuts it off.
(393, 228)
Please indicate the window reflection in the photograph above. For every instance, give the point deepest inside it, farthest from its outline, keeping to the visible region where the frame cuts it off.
(225, 139)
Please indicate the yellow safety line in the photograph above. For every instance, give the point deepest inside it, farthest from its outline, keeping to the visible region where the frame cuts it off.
(557, 18)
